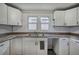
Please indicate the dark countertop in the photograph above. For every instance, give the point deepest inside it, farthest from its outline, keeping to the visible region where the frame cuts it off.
(8, 36)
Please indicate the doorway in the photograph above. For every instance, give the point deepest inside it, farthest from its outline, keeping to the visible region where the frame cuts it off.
(51, 46)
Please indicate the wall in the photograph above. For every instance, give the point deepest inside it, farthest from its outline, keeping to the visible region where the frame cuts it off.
(52, 42)
(74, 29)
(5, 29)
(56, 46)
(50, 45)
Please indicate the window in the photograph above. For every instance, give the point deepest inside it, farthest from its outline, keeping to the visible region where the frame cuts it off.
(44, 23)
(32, 23)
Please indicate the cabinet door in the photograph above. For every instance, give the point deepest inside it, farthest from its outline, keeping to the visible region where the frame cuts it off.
(3, 13)
(74, 47)
(4, 48)
(42, 46)
(18, 17)
(16, 46)
(71, 17)
(29, 46)
(14, 16)
(63, 46)
(78, 15)
(59, 17)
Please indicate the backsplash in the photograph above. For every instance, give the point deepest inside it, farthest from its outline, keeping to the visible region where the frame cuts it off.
(5, 29)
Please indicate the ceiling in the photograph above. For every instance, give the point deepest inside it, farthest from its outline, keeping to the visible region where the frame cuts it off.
(42, 6)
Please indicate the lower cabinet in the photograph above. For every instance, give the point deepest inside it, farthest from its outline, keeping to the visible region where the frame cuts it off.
(28, 46)
(4, 48)
(16, 46)
(74, 47)
(35, 46)
(63, 46)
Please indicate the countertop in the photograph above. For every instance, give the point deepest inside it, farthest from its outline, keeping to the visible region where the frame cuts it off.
(8, 36)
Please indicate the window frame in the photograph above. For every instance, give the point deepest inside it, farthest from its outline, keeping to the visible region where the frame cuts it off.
(41, 23)
(29, 23)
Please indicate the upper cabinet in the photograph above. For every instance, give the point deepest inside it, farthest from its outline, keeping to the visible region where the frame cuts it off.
(3, 13)
(67, 17)
(71, 17)
(59, 17)
(78, 15)
(14, 16)
(10, 15)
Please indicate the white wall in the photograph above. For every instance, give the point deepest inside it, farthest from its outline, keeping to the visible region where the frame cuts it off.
(74, 29)
(56, 46)
(50, 45)
(5, 29)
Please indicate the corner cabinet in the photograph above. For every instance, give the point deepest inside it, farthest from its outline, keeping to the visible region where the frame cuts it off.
(3, 14)
(59, 17)
(71, 17)
(14, 16)
(16, 46)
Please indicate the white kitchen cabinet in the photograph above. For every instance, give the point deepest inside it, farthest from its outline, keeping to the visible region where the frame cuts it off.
(3, 13)
(71, 17)
(64, 46)
(78, 15)
(4, 48)
(30, 46)
(16, 46)
(74, 47)
(14, 16)
(59, 17)
(35, 46)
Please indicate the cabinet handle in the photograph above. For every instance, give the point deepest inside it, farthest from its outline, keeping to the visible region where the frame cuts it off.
(1, 45)
(36, 43)
(17, 23)
(77, 22)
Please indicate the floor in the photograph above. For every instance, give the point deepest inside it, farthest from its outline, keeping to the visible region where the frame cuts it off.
(51, 52)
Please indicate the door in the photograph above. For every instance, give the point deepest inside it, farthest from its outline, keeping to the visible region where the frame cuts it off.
(59, 17)
(71, 17)
(16, 46)
(42, 46)
(3, 13)
(30, 46)
(63, 46)
(74, 47)
(4, 48)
